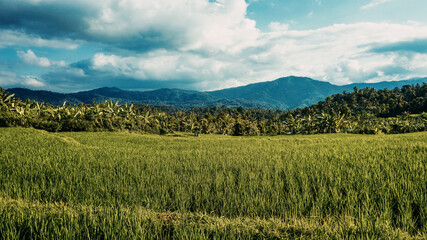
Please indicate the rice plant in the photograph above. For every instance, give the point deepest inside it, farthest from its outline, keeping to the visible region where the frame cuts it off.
(131, 185)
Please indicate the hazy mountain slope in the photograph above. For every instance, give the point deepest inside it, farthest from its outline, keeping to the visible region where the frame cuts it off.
(159, 96)
(43, 96)
(383, 85)
(173, 97)
(283, 93)
(293, 92)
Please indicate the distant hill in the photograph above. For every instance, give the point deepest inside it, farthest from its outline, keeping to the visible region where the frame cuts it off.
(283, 93)
(297, 92)
(43, 96)
(383, 85)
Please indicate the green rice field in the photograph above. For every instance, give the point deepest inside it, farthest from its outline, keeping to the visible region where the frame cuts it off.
(125, 185)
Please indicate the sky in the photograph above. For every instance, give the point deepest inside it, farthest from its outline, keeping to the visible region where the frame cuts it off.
(70, 46)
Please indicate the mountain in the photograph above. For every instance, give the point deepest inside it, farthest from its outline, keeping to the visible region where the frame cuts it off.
(297, 92)
(43, 96)
(160, 95)
(184, 99)
(383, 85)
(283, 93)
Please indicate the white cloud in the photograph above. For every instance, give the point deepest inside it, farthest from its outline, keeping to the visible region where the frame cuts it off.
(374, 3)
(12, 79)
(33, 81)
(31, 58)
(213, 44)
(276, 26)
(165, 66)
(187, 25)
(16, 38)
(8, 78)
(338, 54)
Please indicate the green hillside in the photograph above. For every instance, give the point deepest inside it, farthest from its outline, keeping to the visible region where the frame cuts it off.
(283, 93)
(365, 111)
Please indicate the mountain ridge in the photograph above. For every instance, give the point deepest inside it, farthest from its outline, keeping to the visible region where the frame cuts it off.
(283, 93)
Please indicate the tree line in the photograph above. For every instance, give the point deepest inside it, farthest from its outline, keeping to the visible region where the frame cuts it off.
(363, 111)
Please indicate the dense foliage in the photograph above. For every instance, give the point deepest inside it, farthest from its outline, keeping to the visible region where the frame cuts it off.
(120, 185)
(362, 111)
(380, 103)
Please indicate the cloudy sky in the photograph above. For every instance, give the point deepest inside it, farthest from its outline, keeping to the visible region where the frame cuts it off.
(67, 46)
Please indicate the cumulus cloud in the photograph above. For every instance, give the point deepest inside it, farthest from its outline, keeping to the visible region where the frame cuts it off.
(13, 79)
(340, 54)
(187, 25)
(30, 57)
(200, 72)
(8, 78)
(33, 81)
(374, 3)
(138, 25)
(19, 38)
(202, 45)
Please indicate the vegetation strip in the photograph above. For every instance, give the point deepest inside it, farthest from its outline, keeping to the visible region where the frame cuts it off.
(20, 219)
(364, 111)
(130, 185)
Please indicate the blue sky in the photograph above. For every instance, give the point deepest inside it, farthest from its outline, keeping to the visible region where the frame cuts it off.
(69, 46)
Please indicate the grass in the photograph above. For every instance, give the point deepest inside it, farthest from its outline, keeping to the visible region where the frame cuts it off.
(128, 185)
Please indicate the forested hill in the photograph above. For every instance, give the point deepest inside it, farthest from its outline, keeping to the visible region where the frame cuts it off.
(298, 92)
(283, 93)
(362, 111)
(380, 103)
